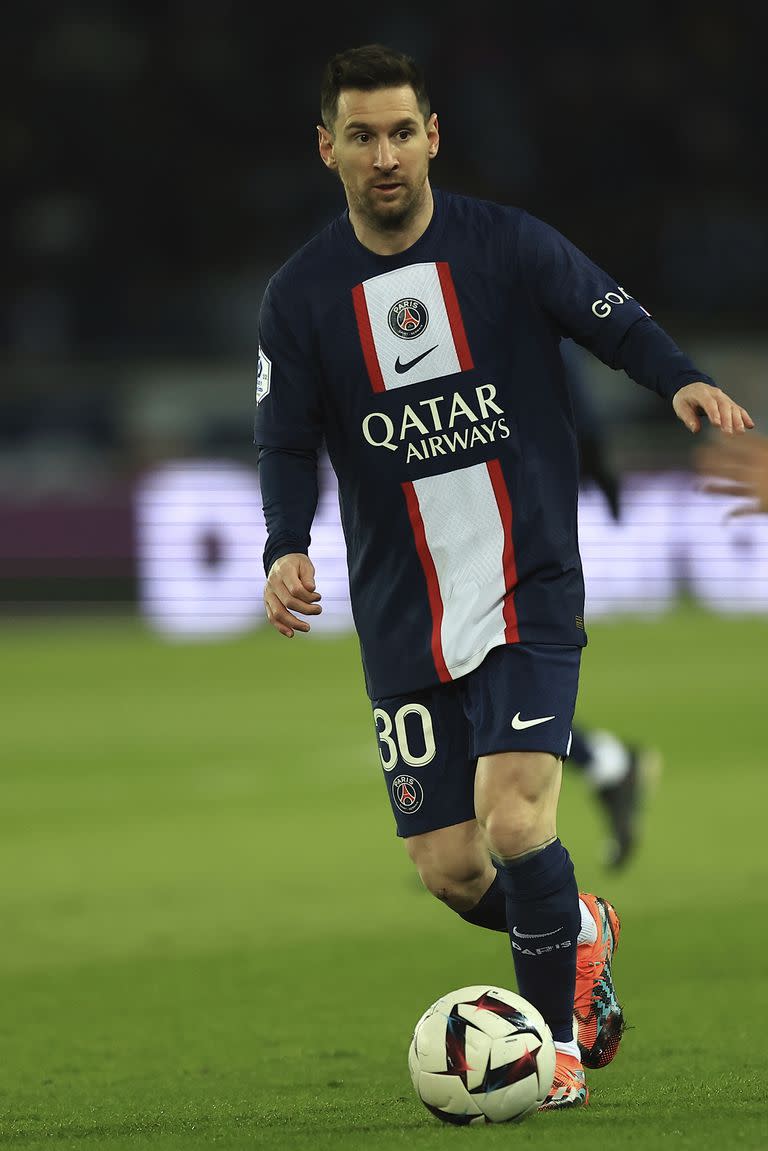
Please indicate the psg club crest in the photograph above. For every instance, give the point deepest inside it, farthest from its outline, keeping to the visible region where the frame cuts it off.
(408, 318)
(407, 793)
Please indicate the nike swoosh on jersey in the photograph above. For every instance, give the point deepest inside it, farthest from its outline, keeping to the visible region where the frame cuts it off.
(521, 724)
(400, 368)
(539, 935)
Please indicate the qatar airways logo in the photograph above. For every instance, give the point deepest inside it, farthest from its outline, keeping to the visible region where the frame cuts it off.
(440, 425)
(605, 305)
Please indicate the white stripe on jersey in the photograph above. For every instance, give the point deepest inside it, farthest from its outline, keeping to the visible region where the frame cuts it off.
(465, 536)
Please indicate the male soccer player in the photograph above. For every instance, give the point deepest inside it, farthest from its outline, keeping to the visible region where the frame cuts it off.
(417, 335)
(621, 775)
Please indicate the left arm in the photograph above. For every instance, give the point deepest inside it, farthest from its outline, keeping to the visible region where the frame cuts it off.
(649, 356)
(585, 303)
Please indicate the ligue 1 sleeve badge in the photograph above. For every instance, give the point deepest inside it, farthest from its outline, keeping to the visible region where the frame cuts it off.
(263, 376)
(407, 793)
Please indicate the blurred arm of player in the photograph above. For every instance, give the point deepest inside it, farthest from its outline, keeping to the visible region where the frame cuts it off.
(290, 588)
(737, 468)
(699, 398)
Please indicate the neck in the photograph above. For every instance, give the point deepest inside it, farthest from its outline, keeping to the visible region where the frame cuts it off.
(388, 242)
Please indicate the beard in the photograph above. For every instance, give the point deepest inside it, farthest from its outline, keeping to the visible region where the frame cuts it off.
(388, 217)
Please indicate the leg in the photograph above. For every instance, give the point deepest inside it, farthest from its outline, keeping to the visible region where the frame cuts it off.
(621, 775)
(454, 864)
(516, 796)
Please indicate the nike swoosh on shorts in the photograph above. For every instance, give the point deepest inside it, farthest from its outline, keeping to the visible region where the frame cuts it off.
(521, 724)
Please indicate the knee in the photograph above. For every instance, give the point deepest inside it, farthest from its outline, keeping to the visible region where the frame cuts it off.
(510, 831)
(516, 801)
(458, 882)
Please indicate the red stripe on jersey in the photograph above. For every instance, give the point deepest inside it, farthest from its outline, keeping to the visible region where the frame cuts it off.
(366, 339)
(511, 632)
(430, 572)
(460, 343)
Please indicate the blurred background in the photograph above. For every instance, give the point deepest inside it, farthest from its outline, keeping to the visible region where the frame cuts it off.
(177, 819)
(159, 161)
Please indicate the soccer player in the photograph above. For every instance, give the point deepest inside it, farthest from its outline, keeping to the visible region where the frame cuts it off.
(417, 336)
(621, 775)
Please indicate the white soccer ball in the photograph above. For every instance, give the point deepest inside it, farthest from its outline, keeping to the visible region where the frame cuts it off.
(481, 1054)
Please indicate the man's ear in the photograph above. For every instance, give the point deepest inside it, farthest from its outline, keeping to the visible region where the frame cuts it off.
(433, 135)
(325, 147)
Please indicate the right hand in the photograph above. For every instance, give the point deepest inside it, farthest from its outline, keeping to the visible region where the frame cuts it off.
(290, 587)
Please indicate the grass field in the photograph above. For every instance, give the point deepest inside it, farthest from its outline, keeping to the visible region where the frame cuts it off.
(211, 936)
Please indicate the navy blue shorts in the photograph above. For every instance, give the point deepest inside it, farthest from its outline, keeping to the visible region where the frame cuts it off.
(521, 698)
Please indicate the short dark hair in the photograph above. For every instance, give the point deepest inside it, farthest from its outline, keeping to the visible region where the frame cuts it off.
(369, 67)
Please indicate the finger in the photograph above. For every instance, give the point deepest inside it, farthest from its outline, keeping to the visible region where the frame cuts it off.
(743, 510)
(293, 604)
(689, 416)
(725, 408)
(296, 590)
(279, 621)
(711, 409)
(276, 624)
(723, 488)
(293, 594)
(307, 574)
(281, 618)
(733, 418)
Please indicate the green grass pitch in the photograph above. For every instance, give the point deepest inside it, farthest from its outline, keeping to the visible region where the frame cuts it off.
(211, 936)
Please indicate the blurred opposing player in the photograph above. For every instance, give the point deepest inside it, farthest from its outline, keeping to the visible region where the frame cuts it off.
(737, 468)
(620, 774)
(417, 335)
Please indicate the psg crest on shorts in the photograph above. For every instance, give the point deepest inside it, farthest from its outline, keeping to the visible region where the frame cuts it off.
(407, 793)
(408, 318)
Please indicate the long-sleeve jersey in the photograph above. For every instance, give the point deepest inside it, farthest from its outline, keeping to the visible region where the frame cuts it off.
(435, 382)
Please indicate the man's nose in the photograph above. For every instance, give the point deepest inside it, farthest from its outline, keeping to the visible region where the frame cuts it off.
(385, 156)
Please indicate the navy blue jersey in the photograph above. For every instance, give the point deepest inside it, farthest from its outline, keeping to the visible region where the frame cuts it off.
(434, 380)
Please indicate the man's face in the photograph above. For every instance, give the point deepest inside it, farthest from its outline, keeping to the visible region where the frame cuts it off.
(381, 149)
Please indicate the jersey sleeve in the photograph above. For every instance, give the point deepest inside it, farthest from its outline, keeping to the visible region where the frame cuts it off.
(288, 398)
(289, 494)
(585, 303)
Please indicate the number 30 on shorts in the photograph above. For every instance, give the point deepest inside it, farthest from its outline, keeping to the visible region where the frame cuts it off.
(393, 736)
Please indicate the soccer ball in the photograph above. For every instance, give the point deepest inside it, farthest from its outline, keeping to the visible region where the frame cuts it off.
(481, 1054)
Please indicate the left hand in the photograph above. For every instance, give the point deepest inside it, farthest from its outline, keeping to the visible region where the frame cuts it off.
(698, 398)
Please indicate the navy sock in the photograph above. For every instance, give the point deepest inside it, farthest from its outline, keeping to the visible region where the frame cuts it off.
(543, 920)
(491, 910)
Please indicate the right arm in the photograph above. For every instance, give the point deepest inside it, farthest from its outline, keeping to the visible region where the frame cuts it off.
(288, 430)
(288, 480)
